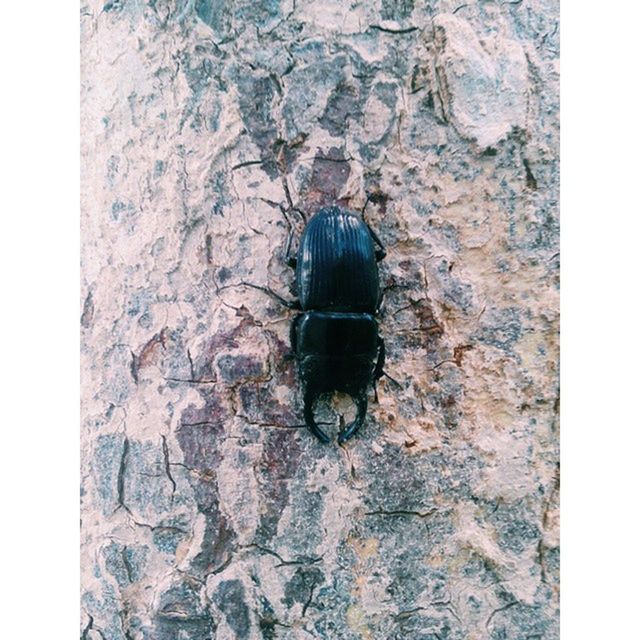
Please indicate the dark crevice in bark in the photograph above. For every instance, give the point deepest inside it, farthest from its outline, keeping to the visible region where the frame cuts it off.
(496, 611)
(90, 627)
(248, 163)
(397, 32)
(167, 466)
(309, 599)
(401, 512)
(284, 563)
(127, 564)
(121, 475)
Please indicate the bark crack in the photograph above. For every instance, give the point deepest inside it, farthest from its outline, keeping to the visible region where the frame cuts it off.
(301, 560)
(397, 32)
(167, 465)
(121, 476)
(496, 611)
(401, 512)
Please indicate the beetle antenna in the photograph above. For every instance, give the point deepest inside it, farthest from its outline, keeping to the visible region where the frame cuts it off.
(287, 193)
(284, 213)
(290, 304)
(291, 206)
(289, 259)
(366, 202)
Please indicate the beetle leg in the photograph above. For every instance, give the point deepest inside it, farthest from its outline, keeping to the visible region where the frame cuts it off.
(293, 334)
(289, 259)
(379, 369)
(384, 373)
(351, 430)
(381, 252)
(309, 398)
(380, 301)
(290, 304)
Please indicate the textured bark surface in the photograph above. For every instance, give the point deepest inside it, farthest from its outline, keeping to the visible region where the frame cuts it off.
(207, 512)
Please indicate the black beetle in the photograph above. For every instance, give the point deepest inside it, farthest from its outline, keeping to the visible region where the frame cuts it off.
(335, 340)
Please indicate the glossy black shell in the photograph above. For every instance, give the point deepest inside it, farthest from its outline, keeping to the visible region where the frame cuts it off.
(336, 351)
(336, 267)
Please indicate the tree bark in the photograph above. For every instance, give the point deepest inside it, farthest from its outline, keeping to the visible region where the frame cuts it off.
(208, 511)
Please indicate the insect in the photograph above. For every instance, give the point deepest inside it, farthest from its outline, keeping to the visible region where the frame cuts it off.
(335, 339)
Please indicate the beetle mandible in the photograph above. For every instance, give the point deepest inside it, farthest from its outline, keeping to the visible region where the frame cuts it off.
(335, 339)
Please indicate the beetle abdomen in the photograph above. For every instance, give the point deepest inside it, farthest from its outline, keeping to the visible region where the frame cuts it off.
(337, 269)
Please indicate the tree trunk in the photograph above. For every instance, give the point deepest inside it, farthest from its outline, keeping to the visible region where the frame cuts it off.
(208, 510)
